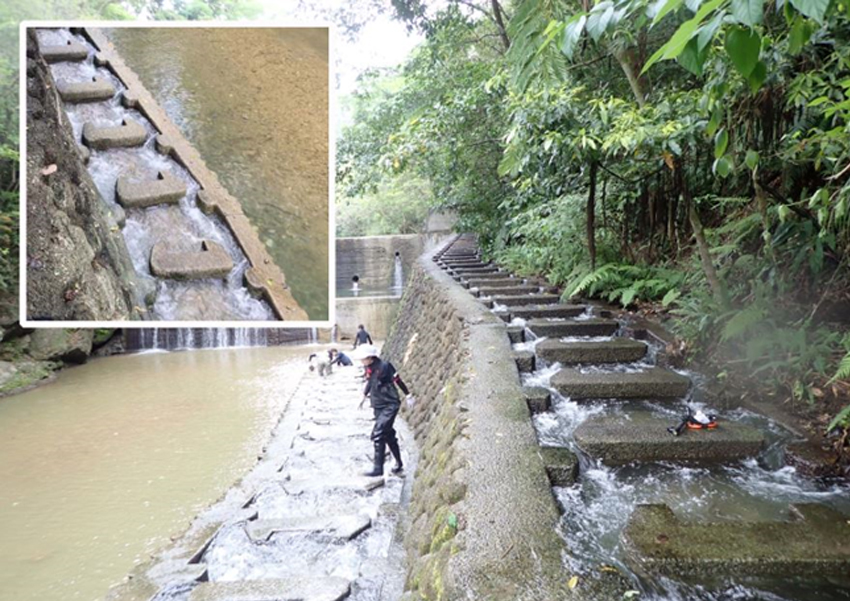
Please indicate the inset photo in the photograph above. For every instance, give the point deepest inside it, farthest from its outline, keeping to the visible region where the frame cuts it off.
(175, 174)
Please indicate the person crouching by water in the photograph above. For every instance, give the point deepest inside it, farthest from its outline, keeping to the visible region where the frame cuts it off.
(340, 359)
(324, 365)
(381, 382)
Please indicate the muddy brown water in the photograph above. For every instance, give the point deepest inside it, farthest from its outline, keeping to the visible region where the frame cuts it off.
(101, 467)
(254, 103)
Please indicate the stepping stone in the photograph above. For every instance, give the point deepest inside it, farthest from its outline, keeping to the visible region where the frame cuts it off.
(356, 483)
(656, 383)
(344, 527)
(524, 361)
(525, 299)
(211, 261)
(507, 290)
(538, 399)
(815, 543)
(130, 133)
(561, 465)
(618, 350)
(95, 90)
(516, 334)
(578, 327)
(498, 281)
(641, 436)
(278, 589)
(165, 189)
(73, 51)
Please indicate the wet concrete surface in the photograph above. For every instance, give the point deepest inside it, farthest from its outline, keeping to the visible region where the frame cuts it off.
(303, 514)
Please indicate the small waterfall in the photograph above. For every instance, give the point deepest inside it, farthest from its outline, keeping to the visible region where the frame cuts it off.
(398, 275)
(180, 339)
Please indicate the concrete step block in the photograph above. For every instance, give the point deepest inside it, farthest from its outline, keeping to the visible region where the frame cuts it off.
(538, 399)
(561, 465)
(72, 51)
(618, 350)
(524, 299)
(524, 361)
(641, 436)
(510, 290)
(96, 90)
(815, 542)
(134, 194)
(345, 527)
(129, 134)
(654, 383)
(578, 327)
(211, 261)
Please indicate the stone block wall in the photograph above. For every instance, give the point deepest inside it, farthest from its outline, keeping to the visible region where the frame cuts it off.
(482, 518)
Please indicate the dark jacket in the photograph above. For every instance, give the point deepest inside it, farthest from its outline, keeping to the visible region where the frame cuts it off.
(381, 380)
(362, 337)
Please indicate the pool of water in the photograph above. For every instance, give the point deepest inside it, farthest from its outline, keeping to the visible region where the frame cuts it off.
(100, 468)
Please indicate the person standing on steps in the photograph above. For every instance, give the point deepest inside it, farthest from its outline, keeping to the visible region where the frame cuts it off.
(362, 337)
(381, 382)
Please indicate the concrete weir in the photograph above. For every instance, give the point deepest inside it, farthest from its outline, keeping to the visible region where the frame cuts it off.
(262, 277)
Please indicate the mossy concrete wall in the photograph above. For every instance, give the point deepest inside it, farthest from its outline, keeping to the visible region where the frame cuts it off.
(482, 517)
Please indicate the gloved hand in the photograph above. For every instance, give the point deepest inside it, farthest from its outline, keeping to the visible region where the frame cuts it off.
(410, 400)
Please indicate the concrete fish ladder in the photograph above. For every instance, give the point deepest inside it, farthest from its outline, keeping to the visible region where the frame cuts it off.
(594, 360)
(262, 277)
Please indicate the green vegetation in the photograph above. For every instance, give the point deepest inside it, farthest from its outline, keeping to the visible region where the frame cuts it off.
(681, 157)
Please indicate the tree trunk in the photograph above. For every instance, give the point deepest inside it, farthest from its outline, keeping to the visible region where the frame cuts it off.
(714, 282)
(629, 61)
(500, 23)
(591, 215)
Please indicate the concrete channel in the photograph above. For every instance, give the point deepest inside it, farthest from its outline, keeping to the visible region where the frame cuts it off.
(602, 404)
(183, 228)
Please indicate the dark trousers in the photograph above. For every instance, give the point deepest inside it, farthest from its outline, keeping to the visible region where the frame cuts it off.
(383, 432)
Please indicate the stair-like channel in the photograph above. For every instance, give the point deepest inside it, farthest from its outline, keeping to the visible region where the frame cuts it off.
(705, 514)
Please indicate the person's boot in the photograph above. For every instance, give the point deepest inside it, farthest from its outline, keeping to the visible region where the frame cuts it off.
(396, 452)
(378, 461)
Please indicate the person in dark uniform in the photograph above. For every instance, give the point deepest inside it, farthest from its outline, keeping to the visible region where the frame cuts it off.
(362, 337)
(381, 382)
(340, 359)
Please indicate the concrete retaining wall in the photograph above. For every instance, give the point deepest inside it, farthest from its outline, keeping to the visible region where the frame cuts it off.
(372, 258)
(482, 516)
(376, 313)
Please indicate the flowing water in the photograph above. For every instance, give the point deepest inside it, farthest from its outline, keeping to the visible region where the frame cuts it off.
(101, 467)
(597, 508)
(254, 103)
(181, 227)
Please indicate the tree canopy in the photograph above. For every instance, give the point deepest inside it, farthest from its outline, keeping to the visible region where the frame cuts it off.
(690, 156)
